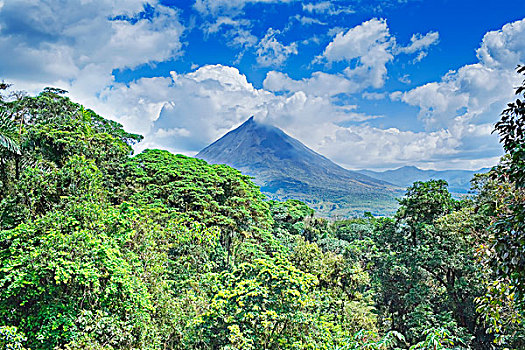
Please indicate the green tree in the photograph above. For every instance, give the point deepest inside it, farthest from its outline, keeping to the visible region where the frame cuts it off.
(501, 196)
(215, 195)
(265, 304)
(509, 225)
(423, 264)
(423, 203)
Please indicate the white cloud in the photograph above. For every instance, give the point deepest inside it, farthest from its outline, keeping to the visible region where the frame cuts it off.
(327, 8)
(420, 56)
(332, 32)
(137, 104)
(270, 52)
(474, 93)
(213, 99)
(224, 21)
(238, 36)
(373, 95)
(191, 110)
(384, 146)
(369, 47)
(369, 44)
(405, 78)
(244, 38)
(304, 20)
(503, 48)
(420, 42)
(173, 132)
(322, 7)
(196, 107)
(467, 102)
(76, 44)
(186, 112)
(228, 15)
(359, 41)
(219, 7)
(320, 84)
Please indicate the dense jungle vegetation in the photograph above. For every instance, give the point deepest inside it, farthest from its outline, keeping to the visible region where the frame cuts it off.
(100, 249)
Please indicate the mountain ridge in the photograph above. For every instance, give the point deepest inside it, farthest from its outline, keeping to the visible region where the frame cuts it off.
(405, 176)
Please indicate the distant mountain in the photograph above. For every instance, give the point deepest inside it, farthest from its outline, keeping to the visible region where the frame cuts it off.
(287, 169)
(458, 180)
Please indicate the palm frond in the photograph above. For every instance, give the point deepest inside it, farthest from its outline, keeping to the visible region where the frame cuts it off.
(8, 134)
(8, 143)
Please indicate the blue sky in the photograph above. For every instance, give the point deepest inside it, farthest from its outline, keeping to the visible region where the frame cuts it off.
(370, 84)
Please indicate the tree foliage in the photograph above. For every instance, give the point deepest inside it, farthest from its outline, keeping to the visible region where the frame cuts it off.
(509, 224)
(103, 249)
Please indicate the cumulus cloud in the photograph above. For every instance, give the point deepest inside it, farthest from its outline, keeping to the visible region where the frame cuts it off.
(77, 44)
(369, 45)
(373, 95)
(458, 111)
(271, 52)
(213, 99)
(468, 101)
(366, 49)
(243, 38)
(186, 112)
(503, 48)
(392, 145)
(359, 41)
(475, 92)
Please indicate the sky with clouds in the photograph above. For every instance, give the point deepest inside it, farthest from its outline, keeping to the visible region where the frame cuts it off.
(370, 84)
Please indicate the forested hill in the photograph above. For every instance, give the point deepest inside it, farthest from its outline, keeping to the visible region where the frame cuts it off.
(287, 169)
(102, 249)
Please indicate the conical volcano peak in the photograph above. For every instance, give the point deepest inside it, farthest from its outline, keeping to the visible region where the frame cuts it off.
(253, 142)
(286, 168)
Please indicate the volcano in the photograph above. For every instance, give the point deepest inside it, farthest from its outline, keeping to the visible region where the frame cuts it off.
(285, 168)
